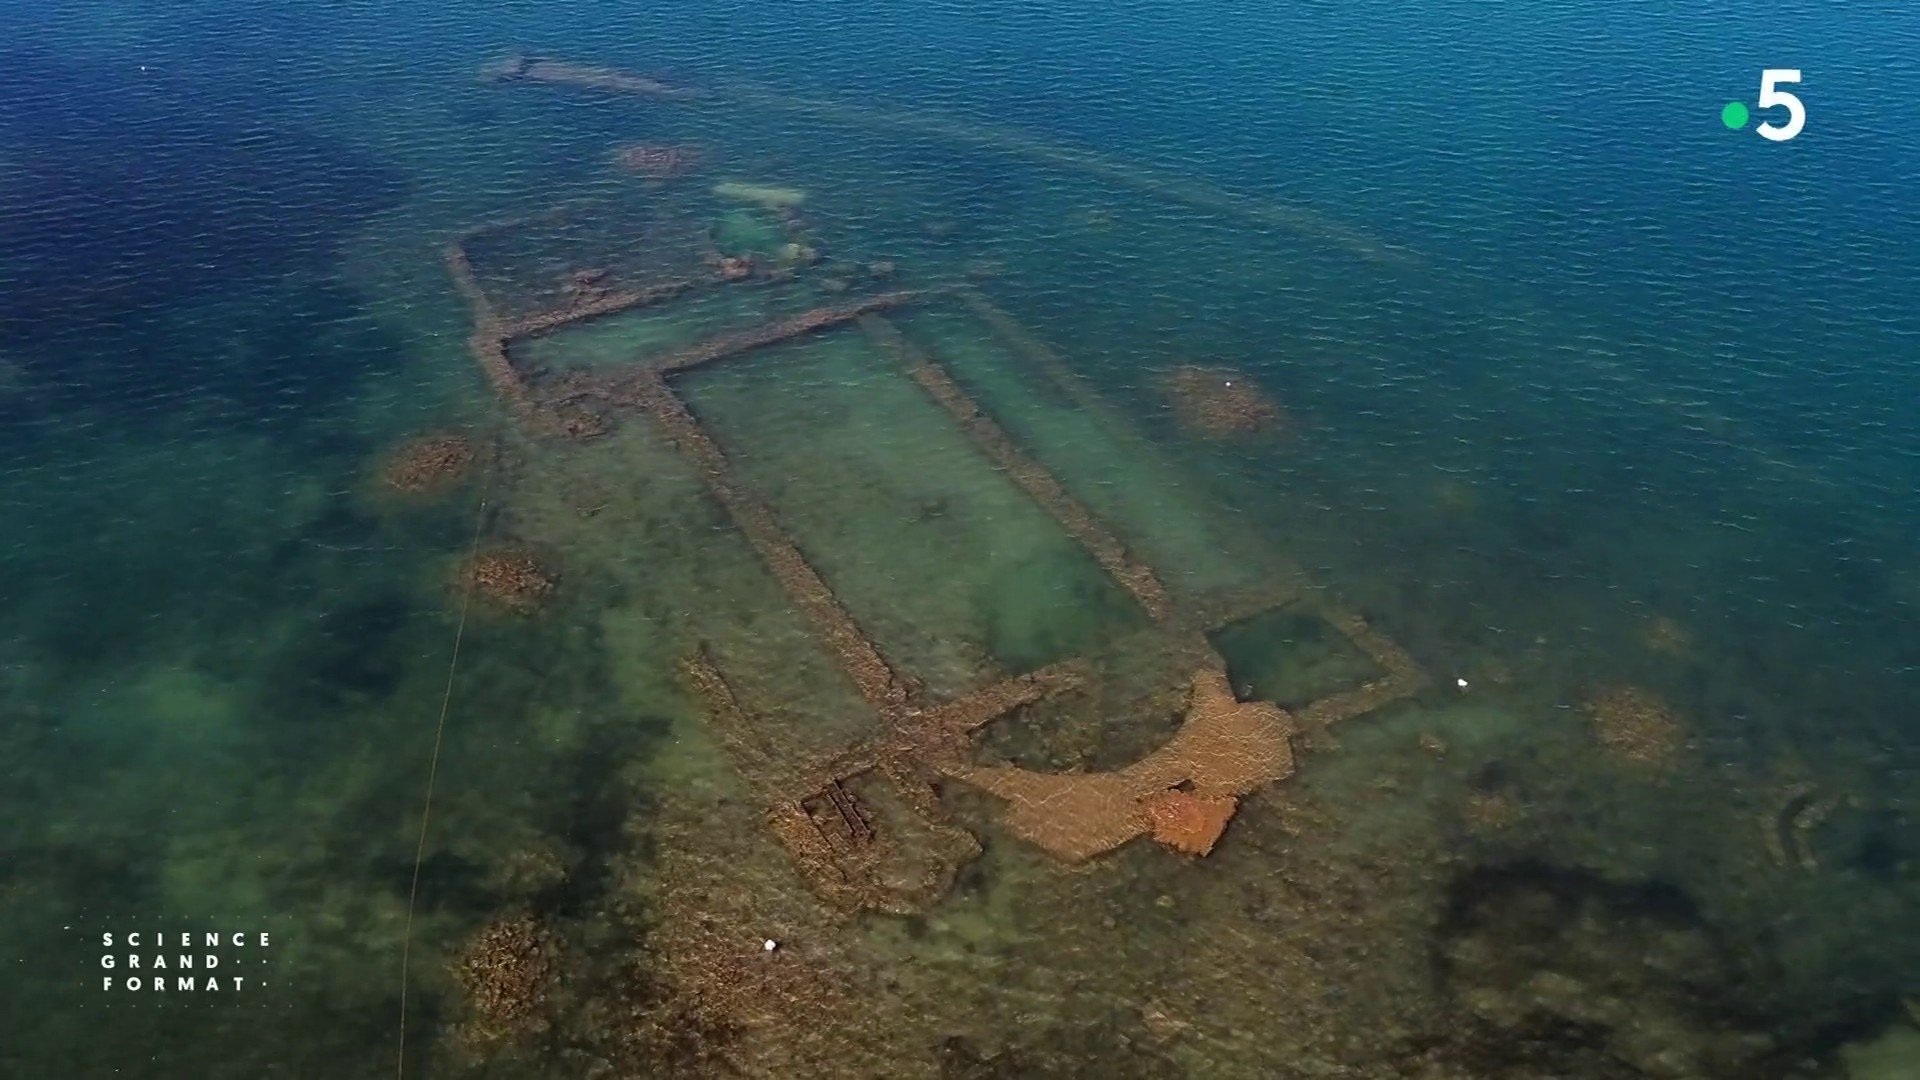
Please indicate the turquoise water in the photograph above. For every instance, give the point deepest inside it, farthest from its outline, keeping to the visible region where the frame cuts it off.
(1582, 390)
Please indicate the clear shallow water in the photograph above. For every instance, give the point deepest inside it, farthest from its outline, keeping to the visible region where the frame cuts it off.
(1627, 367)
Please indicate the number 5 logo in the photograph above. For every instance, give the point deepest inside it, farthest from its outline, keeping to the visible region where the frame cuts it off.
(1769, 97)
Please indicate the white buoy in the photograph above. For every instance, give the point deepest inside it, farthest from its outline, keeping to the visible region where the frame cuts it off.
(1462, 682)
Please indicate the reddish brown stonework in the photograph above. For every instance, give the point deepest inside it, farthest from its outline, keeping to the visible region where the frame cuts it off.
(1189, 824)
(867, 826)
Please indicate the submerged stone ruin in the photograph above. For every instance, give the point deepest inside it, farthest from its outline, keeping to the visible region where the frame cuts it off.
(534, 69)
(638, 261)
(504, 973)
(509, 578)
(1635, 726)
(867, 825)
(1219, 403)
(429, 464)
(991, 798)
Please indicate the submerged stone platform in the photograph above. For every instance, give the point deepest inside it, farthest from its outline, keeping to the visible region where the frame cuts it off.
(869, 826)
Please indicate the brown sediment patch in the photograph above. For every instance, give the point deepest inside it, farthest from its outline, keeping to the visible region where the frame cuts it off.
(1219, 403)
(504, 973)
(1225, 747)
(510, 578)
(1635, 725)
(430, 463)
(659, 161)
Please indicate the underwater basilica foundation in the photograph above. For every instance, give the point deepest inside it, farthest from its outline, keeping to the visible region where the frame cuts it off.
(784, 927)
(852, 853)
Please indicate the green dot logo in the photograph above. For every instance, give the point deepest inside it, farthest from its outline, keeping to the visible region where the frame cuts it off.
(1734, 116)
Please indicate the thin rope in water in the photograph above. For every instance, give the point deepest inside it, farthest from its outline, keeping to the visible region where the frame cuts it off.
(433, 763)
